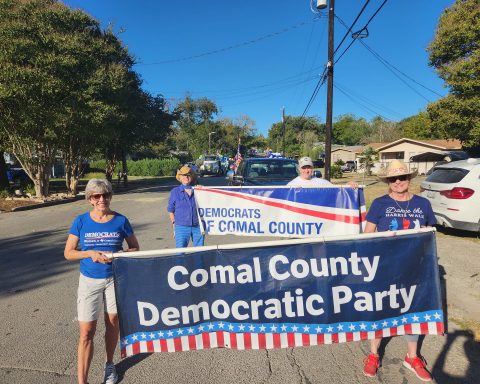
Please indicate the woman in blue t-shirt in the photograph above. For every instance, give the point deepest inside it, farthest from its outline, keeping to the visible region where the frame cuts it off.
(94, 236)
(399, 209)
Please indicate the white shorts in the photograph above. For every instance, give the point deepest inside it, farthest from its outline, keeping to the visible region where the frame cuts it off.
(92, 293)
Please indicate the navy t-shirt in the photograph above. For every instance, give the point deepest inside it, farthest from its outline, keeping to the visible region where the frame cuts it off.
(392, 215)
(107, 237)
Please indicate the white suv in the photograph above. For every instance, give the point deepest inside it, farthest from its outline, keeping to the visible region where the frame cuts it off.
(453, 189)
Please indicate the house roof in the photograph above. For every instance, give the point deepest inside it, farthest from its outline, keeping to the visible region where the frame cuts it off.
(351, 148)
(434, 144)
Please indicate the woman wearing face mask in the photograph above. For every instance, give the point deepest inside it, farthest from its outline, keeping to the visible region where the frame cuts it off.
(182, 210)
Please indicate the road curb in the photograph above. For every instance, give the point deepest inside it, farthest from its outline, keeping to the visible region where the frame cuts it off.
(47, 204)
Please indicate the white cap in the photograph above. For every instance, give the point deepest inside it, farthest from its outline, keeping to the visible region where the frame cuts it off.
(305, 161)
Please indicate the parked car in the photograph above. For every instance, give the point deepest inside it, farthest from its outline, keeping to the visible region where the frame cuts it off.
(263, 171)
(17, 175)
(349, 166)
(210, 166)
(453, 189)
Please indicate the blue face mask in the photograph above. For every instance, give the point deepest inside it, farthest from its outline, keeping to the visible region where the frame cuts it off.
(186, 186)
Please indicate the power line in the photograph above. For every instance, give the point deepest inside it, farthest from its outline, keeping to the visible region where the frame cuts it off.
(360, 104)
(387, 64)
(320, 82)
(351, 26)
(239, 45)
(360, 33)
(322, 79)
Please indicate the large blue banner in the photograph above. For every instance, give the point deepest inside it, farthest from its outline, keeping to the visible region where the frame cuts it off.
(280, 296)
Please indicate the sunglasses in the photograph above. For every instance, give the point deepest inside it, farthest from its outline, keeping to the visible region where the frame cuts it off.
(97, 196)
(395, 178)
(187, 175)
(307, 167)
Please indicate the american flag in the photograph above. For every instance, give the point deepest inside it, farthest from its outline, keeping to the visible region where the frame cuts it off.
(243, 336)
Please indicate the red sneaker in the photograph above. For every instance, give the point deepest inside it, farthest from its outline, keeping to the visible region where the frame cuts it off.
(418, 366)
(370, 365)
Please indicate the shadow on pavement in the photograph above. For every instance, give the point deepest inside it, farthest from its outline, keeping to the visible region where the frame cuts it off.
(472, 353)
(126, 364)
(34, 260)
(29, 261)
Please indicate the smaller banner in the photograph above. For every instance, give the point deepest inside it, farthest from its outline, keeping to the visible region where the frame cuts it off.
(281, 212)
(289, 295)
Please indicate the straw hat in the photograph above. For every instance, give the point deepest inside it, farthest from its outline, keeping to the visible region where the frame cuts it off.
(184, 171)
(396, 168)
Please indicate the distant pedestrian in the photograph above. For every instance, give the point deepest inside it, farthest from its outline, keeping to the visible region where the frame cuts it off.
(97, 234)
(182, 210)
(399, 209)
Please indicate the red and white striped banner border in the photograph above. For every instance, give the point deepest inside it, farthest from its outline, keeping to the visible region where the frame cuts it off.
(242, 341)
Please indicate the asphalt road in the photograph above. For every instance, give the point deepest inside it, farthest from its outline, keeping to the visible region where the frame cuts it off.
(38, 328)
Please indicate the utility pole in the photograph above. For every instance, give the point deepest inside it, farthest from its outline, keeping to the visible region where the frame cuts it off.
(328, 124)
(283, 131)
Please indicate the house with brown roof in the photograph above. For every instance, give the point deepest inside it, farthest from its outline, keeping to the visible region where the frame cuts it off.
(404, 149)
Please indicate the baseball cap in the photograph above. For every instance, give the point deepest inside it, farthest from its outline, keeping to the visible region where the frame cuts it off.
(305, 161)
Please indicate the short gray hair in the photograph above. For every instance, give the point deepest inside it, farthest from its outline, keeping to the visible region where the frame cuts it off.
(97, 186)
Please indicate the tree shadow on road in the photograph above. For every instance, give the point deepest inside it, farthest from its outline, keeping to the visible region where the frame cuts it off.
(34, 260)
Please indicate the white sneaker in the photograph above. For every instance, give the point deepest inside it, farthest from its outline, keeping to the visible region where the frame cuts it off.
(111, 376)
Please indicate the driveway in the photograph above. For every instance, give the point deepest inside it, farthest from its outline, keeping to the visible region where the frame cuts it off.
(38, 328)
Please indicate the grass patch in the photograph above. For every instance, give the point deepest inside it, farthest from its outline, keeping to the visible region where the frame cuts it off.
(468, 325)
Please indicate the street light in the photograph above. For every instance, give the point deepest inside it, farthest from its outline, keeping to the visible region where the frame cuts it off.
(209, 136)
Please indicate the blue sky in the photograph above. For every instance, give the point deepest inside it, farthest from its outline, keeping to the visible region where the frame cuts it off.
(253, 57)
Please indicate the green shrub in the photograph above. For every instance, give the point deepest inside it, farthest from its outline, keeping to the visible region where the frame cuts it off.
(336, 172)
(5, 193)
(94, 175)
(153, 167)
(144, 167)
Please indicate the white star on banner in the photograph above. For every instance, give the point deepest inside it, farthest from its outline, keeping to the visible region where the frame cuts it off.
(262, 328)
(273, 328)
(210, 326)
(221, 325)
(330, 329)
(200, 328)
(352, 327)
(180, 331)
(395, 322)
(152, 335)
(124, 342)
(340, 327)
(230, 327)
(306, 329)
(283, 327)
(363, 326)
(170, 333)
(318, 329)
(241, 327)
(415, 318)
(385, 323)
(404, 319)
(294, 328)
(160, 334)
(374, 326)
(134, 337)
(143, 335)
(190, 330)
(251, 327)
(427, 317)
(437, 315)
